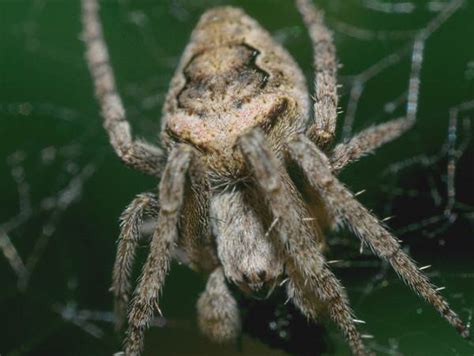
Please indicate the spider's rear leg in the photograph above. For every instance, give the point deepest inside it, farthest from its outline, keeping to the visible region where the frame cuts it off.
(325, 66)
(341, 202)
(130, 223)
(366, 141)
(134, 153)
(145, 300)
(217, 310)
(322, 131)
(312, 283)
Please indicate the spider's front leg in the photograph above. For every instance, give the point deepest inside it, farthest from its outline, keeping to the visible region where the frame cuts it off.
(130, 222)
(145, 300)
(218, 313)
(311, 284)
(341, 203)
(136, 154)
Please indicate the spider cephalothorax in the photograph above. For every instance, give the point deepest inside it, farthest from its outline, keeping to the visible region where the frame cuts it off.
(237, 131)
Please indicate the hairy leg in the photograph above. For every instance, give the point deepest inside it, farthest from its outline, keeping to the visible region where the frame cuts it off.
(145, 300)
(218, 313)
(139, 155)
(311, 281)
(130, 222)
(325, 66)
(196, 239)
(341, 202)
(369, 139)
(366, 141)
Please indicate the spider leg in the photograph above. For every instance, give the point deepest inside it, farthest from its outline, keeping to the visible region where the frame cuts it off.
(134, 153)
(196, 240)
(218, 313)
(130, 222)
(341, 202)
(367, 141)
(371, 138)
(312, 282)
(325, 65)
(145, 299)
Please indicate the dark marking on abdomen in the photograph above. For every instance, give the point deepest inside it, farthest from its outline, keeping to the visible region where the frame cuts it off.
(226, 76)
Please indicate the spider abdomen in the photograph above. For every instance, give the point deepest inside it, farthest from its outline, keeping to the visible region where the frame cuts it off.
(224, 77)
(232, 77)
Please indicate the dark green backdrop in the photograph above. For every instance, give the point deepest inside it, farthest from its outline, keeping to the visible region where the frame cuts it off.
(57, 169)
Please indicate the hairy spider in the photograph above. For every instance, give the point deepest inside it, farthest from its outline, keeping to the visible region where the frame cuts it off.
(236, 131)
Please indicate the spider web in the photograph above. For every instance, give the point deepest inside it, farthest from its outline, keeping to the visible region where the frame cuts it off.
(63, 189)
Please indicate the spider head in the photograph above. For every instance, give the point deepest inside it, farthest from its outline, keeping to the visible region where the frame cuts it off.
(245, 244)
(254, 265)
(259, 287)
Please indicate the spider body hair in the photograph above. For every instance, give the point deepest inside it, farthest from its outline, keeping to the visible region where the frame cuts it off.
(247, 177)
(233, 77)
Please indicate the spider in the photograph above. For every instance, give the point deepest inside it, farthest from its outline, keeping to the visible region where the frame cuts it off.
(247, 178)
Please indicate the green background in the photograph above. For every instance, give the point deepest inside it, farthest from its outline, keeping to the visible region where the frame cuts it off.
(55, 151)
